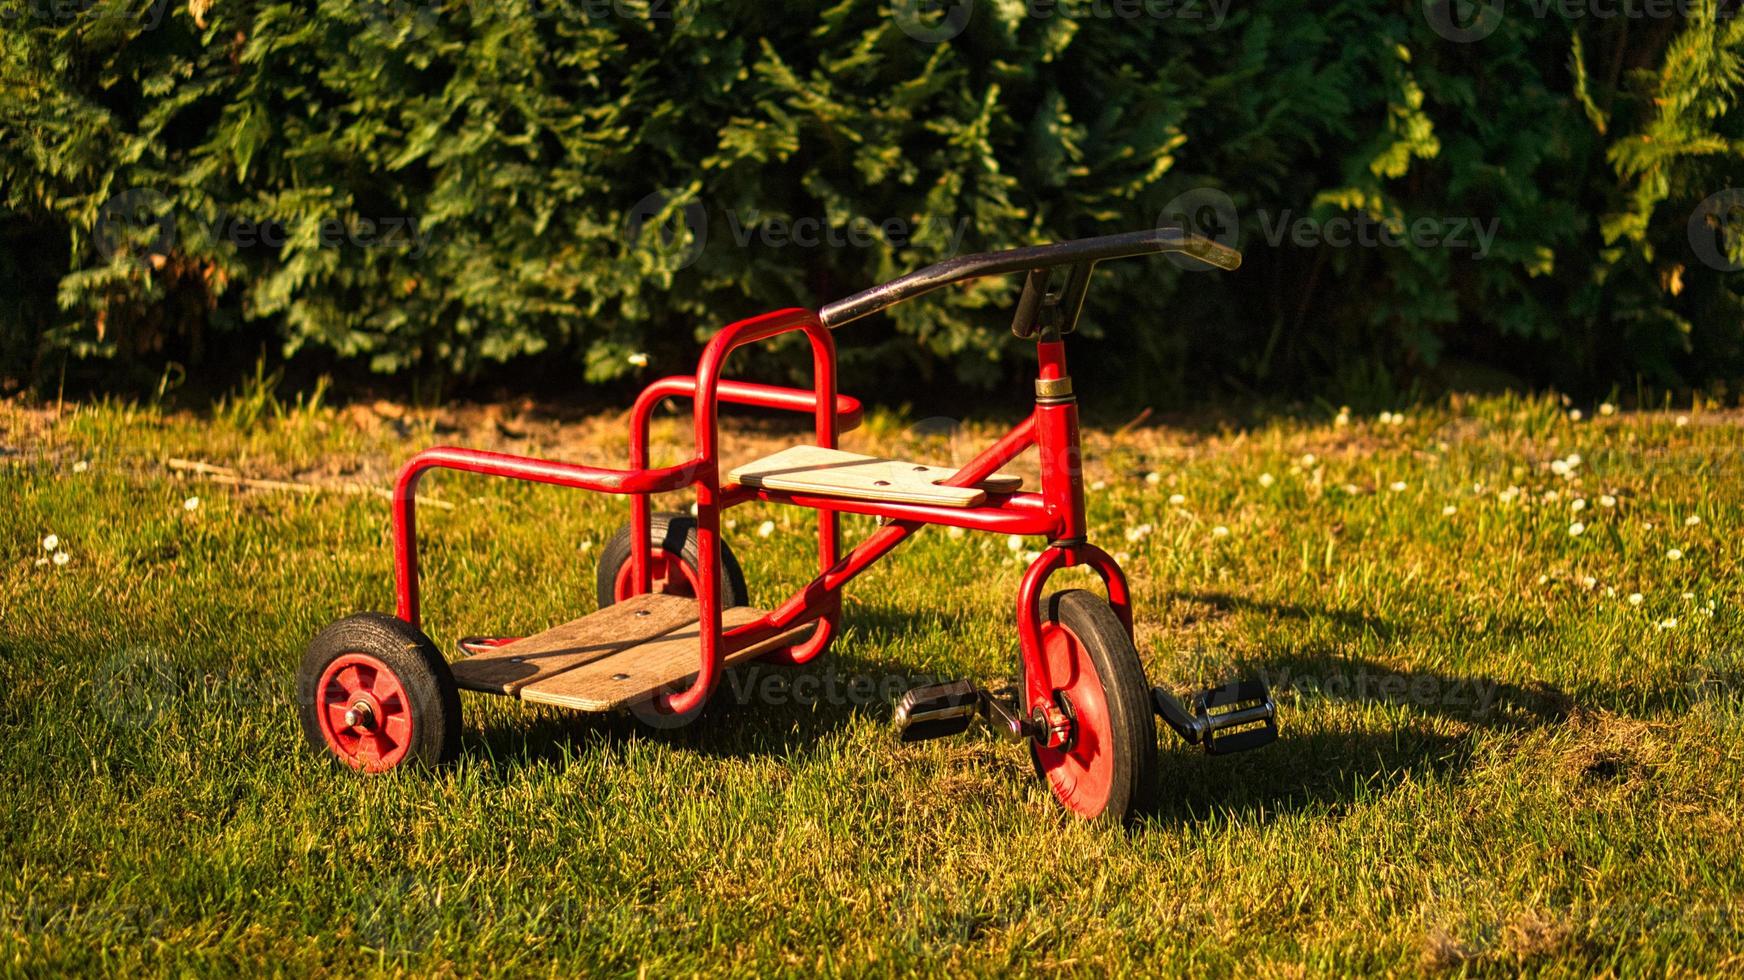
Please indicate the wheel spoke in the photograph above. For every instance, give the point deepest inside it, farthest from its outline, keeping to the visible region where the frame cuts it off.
(398, 727)
(336, 716)
(349, 679)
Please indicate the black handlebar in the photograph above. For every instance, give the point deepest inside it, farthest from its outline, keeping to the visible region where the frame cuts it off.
(1084, 252)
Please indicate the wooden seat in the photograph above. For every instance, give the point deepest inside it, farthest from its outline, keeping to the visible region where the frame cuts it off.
(610, 659)
(833, 473)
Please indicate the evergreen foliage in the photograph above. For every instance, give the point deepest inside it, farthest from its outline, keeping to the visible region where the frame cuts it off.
(438, 186)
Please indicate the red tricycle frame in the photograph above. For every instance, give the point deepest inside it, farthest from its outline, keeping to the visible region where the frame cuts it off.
(375, 691)
(1056, 512)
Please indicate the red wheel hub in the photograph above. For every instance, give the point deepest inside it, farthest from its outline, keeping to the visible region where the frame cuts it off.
(670, 575)
(1081, 772)
(365, 715)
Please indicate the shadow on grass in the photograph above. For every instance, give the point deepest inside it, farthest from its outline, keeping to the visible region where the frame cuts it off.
(763, 710)
(1312, 768)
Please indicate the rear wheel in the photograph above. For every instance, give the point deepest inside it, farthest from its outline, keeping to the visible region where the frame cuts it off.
(674, 559)
(373, 693)
(1107, 771)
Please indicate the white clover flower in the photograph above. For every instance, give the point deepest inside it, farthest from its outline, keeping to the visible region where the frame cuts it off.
(956, 533)
(1099, 485)
(191, 504)
(1589, 583)
(1606, 500)
(81, 466)
(1352, 489)
(1636, 598)
(1121, 557)
(1138, 533)
(1682, 420)
(1606, 408)
(1669, 623)
(1343, 416)
(1691, 521)
(1647, 525)
(1177, 499)
(1309, 459)
(1507, 496)
(1574, 415)
(1398, 486)
(1675, 554)
(1578, 504)
(51, 542)
(1576, 529)
(1220, 531)
(638, 359)
(586, 545)
(1559, 467)
(42, 561)
(1543, 580)
(1153, 478)
(61, 558)
(1031, 555)
(1573, 460)
(765, 529)
(1689, 597)
(1449, 510)
(1386, 418)
(1266, 479)
(1015, 543)
(1552, 496)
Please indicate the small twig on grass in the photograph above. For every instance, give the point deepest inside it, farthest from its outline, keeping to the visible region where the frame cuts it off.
(1134, 422)
(229, 477)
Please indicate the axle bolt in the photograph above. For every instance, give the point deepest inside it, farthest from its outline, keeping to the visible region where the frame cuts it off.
(359, 716)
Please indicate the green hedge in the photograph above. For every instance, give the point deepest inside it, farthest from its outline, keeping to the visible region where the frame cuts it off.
(438, 187)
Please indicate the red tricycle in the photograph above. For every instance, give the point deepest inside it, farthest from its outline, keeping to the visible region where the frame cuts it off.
(673, 607)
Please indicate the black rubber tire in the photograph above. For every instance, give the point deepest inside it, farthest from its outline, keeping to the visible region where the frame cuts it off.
(1132, 724)
(429, 685)
(674, 534)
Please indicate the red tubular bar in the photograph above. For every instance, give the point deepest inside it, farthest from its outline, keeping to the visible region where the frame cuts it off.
(707, 392)
(1019, 514)
(849, 412)
(405, 502)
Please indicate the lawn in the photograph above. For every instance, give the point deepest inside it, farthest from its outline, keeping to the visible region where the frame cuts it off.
(1506, 643)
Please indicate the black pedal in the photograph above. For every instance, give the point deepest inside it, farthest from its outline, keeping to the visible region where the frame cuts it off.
(1233, 718)
(936, 711)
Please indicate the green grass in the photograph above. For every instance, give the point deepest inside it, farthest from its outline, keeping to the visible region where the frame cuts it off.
(1491, 758)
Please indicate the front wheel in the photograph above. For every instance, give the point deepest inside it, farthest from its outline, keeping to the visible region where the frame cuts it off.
(1107, 771)
(674, 557)
(374, 693)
